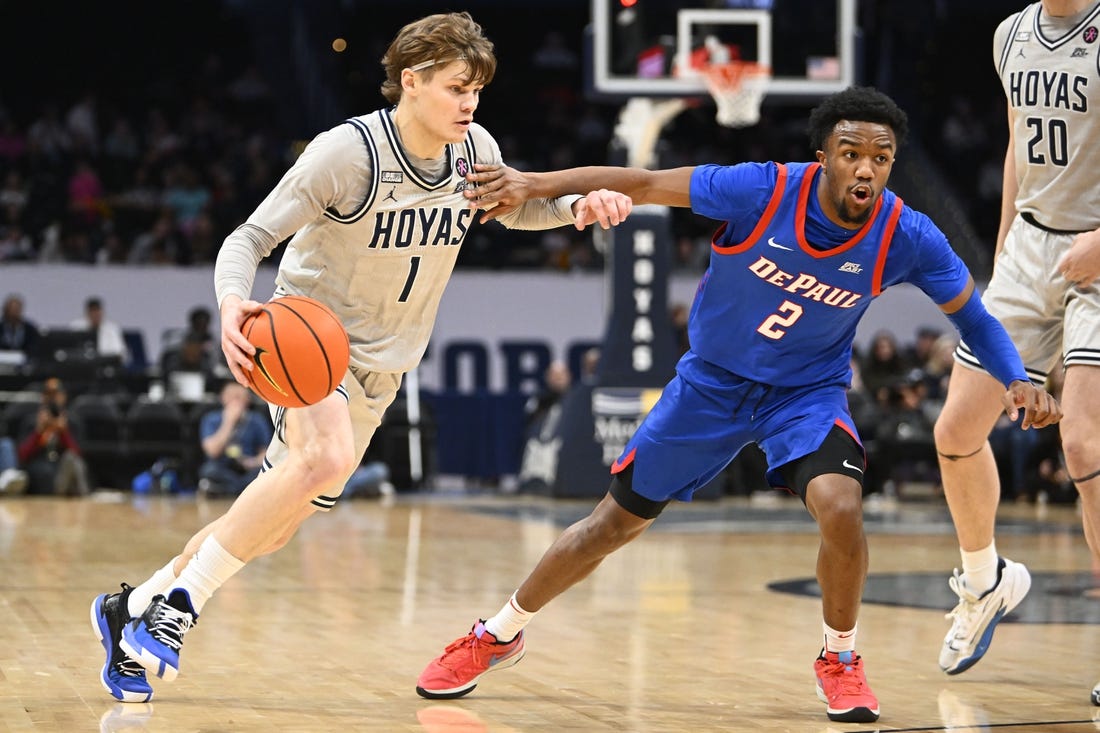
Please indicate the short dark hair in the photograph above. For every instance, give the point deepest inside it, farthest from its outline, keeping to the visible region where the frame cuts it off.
(93, 302)
(856, 104)
(199, 314)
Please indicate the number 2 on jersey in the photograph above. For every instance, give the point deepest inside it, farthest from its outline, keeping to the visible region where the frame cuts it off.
(792, 311)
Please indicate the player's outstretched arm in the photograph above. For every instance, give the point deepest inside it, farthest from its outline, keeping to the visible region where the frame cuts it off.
(603, 207)
(1039, 406)
(504, 188)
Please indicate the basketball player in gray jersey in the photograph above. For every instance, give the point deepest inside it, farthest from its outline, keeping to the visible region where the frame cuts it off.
(375, 212)
(1044, 292)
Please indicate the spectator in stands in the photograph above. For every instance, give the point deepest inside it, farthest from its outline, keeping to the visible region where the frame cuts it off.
(160, 244)
(13, 195)
(187, 196)
(47, 136)
(86, 195)
(49, 452)
(234, 439)
(191, 358)
(557, 380)
(371, 480)
(13, 480)
(904, 449)
(916, 354)
(109, 341)
(590, 365)
(198, 325)
(937, 368)
(15, 245)
(883, 366)
(13, 143)
(16, 332)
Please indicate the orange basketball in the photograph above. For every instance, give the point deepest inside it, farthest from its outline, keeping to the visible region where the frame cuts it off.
(302, 351)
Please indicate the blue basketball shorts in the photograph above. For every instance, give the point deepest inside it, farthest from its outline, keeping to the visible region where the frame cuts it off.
(706, 415)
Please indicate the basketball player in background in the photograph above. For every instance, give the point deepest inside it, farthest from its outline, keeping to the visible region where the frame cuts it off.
(802, 250)
(1044, 292)
(375, 213)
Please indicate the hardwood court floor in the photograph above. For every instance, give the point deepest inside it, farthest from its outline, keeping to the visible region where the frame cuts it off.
(709, 622)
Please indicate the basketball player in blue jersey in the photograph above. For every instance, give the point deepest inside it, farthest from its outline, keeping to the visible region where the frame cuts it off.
(1044, 290)
(802, 250)
(375, 213)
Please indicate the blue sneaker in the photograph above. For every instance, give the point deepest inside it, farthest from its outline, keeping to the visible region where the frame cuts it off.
(122, 677)
(154, 639)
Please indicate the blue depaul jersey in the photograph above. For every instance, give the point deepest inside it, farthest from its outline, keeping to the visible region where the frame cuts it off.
(786, 287)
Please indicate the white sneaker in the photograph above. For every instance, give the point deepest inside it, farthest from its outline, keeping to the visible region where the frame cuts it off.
(13, 481)
(1096, 694)
(975, 618)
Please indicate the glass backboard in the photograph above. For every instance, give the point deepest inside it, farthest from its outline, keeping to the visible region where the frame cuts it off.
(649, 47)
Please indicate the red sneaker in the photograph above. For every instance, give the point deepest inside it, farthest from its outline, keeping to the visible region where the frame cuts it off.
(841, 684)
(463, 662)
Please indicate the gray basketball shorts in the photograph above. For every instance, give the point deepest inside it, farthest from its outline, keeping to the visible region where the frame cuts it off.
(368, 395)
(1046, 316)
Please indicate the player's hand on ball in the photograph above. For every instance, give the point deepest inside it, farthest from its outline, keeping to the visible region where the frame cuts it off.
(607, 208)
(238, 351)
(1039, 406)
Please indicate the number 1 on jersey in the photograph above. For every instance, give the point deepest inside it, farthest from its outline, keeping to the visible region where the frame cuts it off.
(793, 312)
(414, 265)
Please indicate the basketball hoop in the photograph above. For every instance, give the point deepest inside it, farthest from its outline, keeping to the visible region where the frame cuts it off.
(738, 88)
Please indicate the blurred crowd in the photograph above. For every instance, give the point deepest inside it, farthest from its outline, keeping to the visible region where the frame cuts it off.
(160, 170)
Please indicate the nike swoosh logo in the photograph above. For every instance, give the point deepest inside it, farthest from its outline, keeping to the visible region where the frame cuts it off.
(258, 358)
(849, 465)
(777, 245)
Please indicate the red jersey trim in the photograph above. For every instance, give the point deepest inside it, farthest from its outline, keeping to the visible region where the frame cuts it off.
(840, 424)
(623, 462)
(765, 219)
(800, 220)
(887, 237)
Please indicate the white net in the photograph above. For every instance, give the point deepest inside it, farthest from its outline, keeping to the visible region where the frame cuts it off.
(738, 89)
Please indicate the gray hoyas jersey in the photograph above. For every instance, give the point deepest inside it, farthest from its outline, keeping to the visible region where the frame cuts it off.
(1050, 70)
(384, 265)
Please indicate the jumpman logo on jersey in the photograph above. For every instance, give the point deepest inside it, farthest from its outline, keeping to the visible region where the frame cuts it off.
(390, 196)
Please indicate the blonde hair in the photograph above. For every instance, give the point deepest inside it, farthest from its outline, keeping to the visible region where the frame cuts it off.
(434, 41)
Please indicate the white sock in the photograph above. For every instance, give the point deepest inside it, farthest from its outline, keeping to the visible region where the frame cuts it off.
(980, 569)
(839, 641)
(207, 571)
(509, 620)
(158, 584)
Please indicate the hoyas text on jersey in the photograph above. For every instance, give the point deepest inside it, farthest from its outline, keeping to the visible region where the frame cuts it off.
(1050, 89)
(420, 227)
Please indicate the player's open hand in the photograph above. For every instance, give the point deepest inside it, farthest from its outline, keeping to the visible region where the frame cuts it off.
(498, 189)
(237, 349)
(607, 208)
(1039, 406)
(1080, 264)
